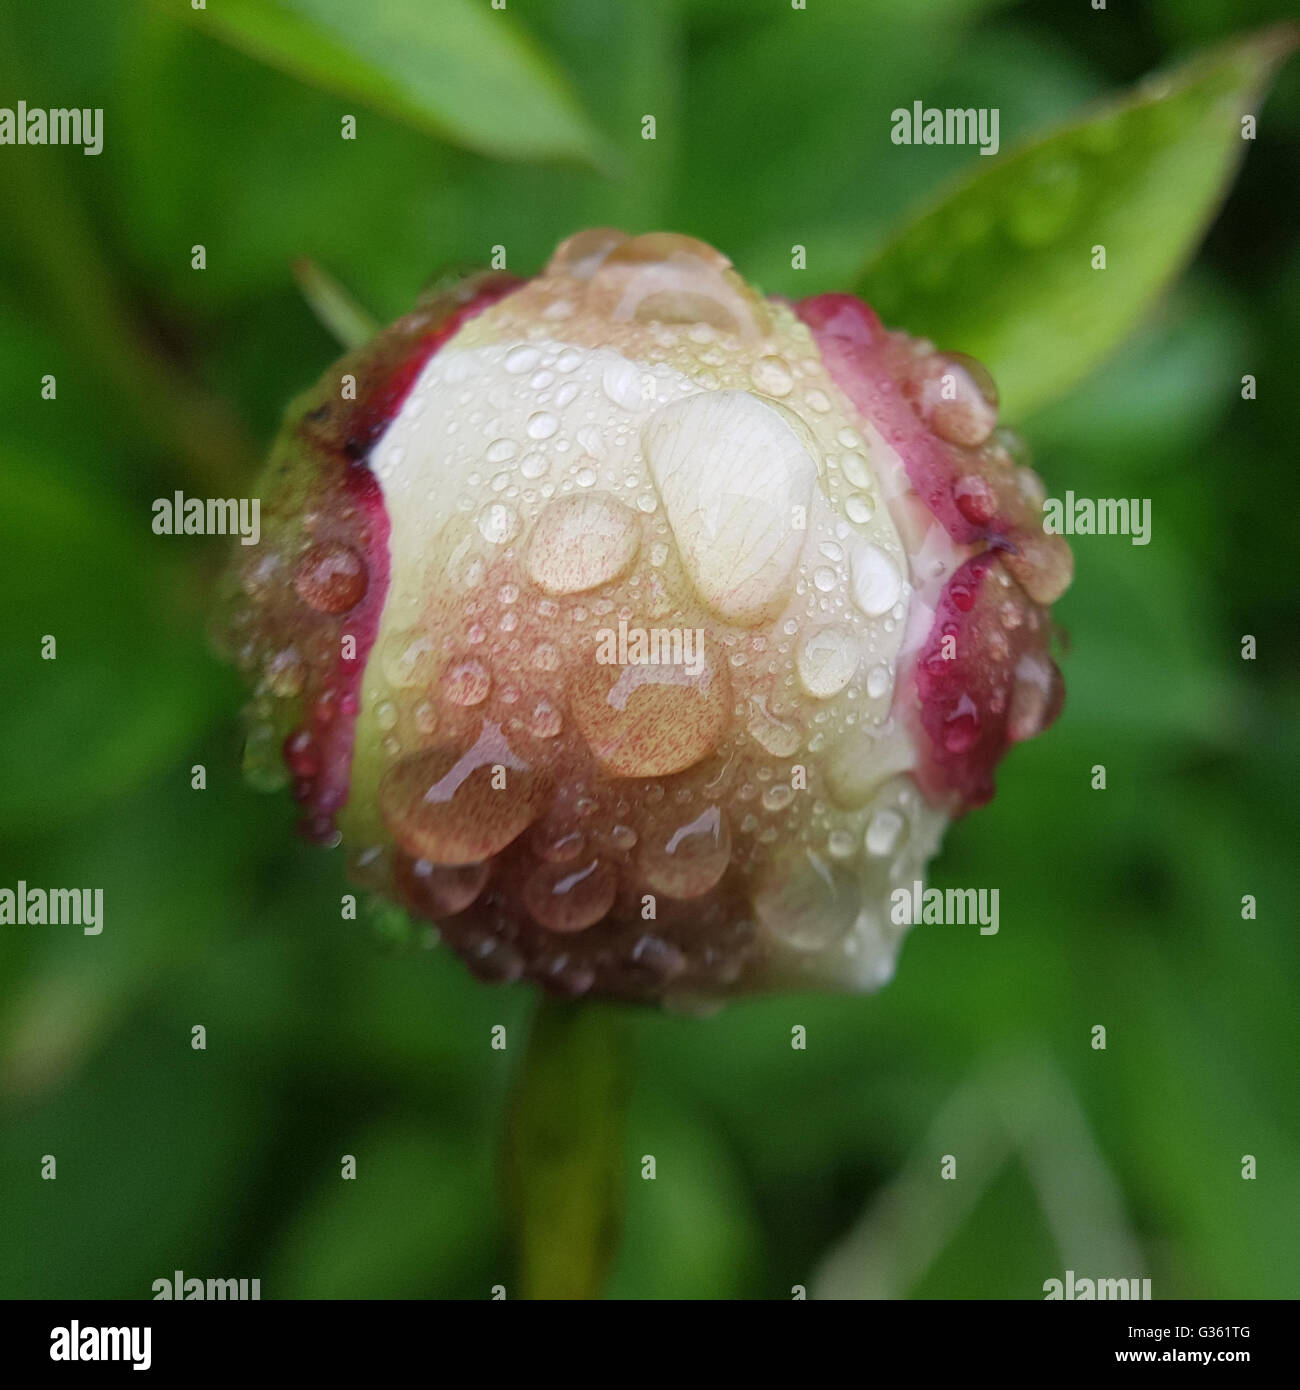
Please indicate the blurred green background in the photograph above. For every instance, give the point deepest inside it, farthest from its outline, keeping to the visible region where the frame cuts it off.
(776, 1167)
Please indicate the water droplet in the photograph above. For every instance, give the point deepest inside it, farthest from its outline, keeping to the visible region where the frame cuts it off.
(809, 908)
(331, 578)
(438, 890)
(581, 542)
(855, 469)
(884, 832)
(772, 376)
(776, 736)
(858, 508)
(571, 899)
(878, 682)
(841, 845)
(386, 715)
(546, 721)
(686, 861)
(824, 579)
(650, 720)
(826, 661)
(451, 808)
(876, 582)
(522, 359)
(301, 755)
(467, 683)
(501, 451)
(498, 523)
(621, 383)
(777, 798)
(284, 673)
(409, 660)
(542, 425)
(975, 499)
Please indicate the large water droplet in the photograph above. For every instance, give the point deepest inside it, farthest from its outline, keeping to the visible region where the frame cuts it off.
(498, 523)
(649, 720)
(733, 474)
(884, 832)
(331, 578)
(826, 661)
(467, 683)
(810, 906)
(876, 583)
(522, 359)
(438, 890)
(772, 376)
(459, 808)
(566, 898)
(582, 542)
(687, 860)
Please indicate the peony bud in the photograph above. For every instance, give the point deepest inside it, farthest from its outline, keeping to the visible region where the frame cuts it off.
(640, 631)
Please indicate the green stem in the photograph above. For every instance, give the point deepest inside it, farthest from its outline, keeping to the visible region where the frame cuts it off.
(336, 309)
(564, 1154)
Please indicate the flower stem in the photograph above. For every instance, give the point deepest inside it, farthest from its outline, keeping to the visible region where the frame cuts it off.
(563, 1159)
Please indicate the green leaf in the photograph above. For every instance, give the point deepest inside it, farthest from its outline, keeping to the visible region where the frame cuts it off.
(564, 1151)
(130, 681)
(459, 70)
(1003, 266)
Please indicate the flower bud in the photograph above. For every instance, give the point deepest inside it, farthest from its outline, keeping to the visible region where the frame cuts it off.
(641, 632)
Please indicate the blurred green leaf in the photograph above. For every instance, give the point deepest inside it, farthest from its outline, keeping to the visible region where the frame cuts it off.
(461, 72)
(1002, 266)
(418, 1203)
(131, 681)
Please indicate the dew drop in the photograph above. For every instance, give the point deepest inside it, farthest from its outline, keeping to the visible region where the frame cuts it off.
(571, 899)
(876, 583)
(330, 578)
(824, 579)
(467, 683)
(826, 661)
(522, 359)
(772, 376)
(688, 860)
(855, 469)
(884, 832)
